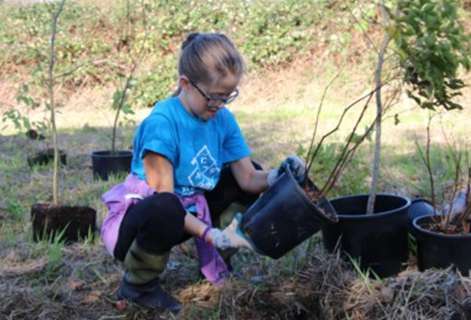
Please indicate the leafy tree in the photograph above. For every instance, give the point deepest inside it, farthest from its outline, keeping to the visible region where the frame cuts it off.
(431, 46)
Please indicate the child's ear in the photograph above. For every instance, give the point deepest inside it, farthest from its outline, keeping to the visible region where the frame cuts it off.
(183, 82)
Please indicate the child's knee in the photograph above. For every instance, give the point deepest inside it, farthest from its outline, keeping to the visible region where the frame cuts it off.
(164, 227)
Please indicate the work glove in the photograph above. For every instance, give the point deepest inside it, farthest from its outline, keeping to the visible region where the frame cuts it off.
(235, 235)
(218, 239)
(296, 165)
(230, 237)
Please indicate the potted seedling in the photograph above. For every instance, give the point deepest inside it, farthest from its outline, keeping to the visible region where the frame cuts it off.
(430, 46)
(37, 130)
(112, 161)
(443, 237)
(51, 219)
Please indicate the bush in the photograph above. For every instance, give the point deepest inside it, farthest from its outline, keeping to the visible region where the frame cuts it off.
(268, 32)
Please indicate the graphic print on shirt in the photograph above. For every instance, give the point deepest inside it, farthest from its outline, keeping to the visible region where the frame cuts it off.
(206, 173)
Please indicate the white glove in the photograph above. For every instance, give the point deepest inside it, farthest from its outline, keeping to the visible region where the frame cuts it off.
(218, 239)
(296, 165)
(229, 237)
(233, 233)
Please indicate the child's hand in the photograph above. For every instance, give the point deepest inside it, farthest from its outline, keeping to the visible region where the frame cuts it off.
(296, 165)
(230, 237)
(232, 232)
(218, 239)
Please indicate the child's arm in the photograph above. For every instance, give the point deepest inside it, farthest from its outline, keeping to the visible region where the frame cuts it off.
(248, 178)
(159, 174)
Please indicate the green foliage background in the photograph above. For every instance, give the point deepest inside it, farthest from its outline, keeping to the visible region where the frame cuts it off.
(96, 38)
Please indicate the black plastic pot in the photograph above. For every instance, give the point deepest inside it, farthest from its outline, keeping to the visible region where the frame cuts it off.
(379, 240)
(105, 163)
(438, 250)
(419, 207)
(71, 222)
(283, 217)
(45, 156)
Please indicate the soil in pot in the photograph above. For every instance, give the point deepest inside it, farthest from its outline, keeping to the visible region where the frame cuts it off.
(106, 163)
(379, 241)
(284, 216)
(439, 247)
(73, 222)
(46, 156)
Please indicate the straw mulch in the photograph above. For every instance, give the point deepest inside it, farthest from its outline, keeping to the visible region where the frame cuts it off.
(84, 283)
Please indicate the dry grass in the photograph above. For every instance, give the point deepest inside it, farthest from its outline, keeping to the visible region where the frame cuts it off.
(328, 289)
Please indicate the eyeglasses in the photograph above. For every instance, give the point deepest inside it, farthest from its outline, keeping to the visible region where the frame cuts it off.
(224, 100)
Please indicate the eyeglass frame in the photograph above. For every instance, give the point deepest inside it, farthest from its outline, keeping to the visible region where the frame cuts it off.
(232, 96)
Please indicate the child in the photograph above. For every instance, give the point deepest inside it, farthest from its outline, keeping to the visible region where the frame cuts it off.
(190, 162)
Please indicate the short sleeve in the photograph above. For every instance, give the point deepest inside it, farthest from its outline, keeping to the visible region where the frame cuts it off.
(234, 145)
(158, 135)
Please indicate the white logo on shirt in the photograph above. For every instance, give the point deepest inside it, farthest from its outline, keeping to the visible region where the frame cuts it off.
(206, 173)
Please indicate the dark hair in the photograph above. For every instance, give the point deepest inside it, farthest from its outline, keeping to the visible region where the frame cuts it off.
(207, 57)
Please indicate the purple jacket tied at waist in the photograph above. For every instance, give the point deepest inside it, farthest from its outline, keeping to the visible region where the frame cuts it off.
(119, 198)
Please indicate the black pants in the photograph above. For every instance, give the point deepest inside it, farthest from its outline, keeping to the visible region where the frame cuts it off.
(157, 222)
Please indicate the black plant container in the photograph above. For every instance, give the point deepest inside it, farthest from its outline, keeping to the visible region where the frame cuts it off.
(420, 207)
(45, 156)
(73, 222)
(283, 217)
(379, 240)
(438, 250)
(105, 163)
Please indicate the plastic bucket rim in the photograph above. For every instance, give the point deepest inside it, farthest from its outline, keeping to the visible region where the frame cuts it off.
(419, 228)
(415, 200)
(374, 215)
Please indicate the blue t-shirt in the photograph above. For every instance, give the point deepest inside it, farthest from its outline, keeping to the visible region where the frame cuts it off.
(197, 149)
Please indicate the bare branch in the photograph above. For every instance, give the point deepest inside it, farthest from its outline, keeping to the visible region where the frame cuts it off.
(427, 161)
(335, 172)
(457, 159)
(119, 107)
(316, 123)
(349, 155)
(325, 136)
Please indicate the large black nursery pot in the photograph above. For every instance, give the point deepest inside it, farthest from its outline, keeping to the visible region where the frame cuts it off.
(72, 222)
(105, 163)
(43, 157)
(439, 250)
(379, 240)
(283, 217)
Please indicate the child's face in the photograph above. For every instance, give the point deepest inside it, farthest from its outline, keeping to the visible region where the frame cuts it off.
(205, 100)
